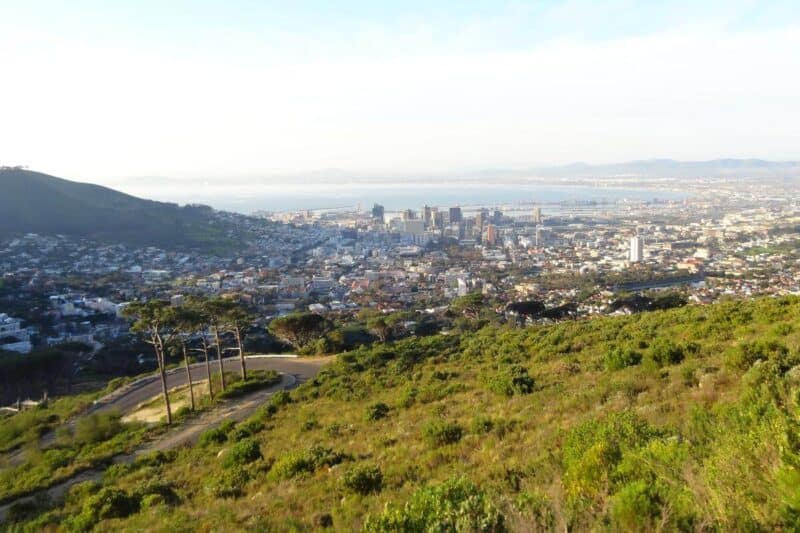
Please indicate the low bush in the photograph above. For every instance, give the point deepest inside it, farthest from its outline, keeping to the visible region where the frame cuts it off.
(296, 464)
(228, 483)
(245, 429)
(746, 354)
(455, 505)
(510, 380)
(377, 411)
(363, 479)
(635, 508)
(213, 436)
(156, 492)
(619, 358)
(97, 427)
(664, 352)
(107, 503)
(243, 452)
(438, 433)
(482, 424)
(253, 383)
(291, 465)
(537, 511)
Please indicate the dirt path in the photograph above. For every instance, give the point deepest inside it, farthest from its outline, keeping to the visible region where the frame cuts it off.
(182, 435)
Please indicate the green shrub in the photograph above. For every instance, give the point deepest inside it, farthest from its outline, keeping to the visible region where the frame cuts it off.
(635, 508)
(244, 430)
(213, 436)
(747, 353)
(157, 492)
(295, 464)
(116, 471)
(97, 427)
(58, 457)
(254, 382)
(482, 424)
(593, 450)
(81, 492)
(439, 433)
(664, 352)
(363, 479)
(537, 510)
(619, 358)
(377, 411)
(228, 483)
(107, 503)
(157, 458)
(280, 398)
(511, 380)
(321, 456)
(291, 465)
(241, 453)
(455, 505)
(310, 424)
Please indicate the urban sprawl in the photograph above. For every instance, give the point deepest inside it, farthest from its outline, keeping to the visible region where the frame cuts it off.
(582, 258)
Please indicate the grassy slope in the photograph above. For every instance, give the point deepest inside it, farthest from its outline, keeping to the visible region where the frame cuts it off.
(696, 444)
(38, 203)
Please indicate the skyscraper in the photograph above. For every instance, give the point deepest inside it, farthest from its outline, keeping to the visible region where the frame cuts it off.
(455, 215)
(537, 215)
(377, 213)
(427, 216)
(491, 234)
(637, 249)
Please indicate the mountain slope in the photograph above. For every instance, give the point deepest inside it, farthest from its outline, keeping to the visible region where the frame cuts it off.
(38, 203)
(678, 420)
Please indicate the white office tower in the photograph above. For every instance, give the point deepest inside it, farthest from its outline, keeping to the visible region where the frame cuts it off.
(637, 249)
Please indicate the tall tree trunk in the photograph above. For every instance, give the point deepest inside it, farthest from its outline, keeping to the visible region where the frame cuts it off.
(208, 369)
(188, 374)
(238, 333)
(159, 348)
(219, 357)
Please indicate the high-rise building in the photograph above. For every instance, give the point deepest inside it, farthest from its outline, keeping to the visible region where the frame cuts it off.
(491, 234)
(409, 214)
(537, 215)
(455, 215)
(427, 216)
(377, 213)
(497, 217)
(438, 219)
(637, 249)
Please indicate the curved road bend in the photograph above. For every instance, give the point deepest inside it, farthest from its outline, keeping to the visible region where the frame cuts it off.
(130, 396)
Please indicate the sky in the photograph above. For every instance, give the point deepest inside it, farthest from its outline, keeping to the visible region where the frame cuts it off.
(105, 91)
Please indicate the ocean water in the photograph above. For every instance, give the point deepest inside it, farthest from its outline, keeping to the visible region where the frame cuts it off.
(394, 196)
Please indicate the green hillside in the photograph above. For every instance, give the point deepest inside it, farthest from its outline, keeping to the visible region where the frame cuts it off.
(684, 419)
(37, 203)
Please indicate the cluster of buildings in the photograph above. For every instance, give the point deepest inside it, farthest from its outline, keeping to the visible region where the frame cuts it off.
(344, 260)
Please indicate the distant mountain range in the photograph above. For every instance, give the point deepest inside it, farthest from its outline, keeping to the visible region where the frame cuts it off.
(31, 202)
(670, 168)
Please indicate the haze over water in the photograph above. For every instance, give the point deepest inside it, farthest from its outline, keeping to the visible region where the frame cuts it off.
(393, 196)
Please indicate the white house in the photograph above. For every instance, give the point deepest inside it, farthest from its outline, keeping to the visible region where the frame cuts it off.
(12, 336)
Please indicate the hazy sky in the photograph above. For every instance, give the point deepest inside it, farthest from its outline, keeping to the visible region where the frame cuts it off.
(98, 90)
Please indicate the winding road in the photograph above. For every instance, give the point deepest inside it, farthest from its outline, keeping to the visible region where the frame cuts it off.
(128, 397)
